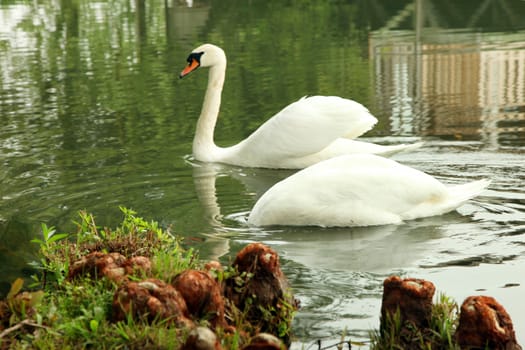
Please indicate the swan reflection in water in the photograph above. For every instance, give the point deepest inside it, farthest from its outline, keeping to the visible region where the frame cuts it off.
(371, 249)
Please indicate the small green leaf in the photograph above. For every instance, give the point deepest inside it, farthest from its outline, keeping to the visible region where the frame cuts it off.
(57, 237)
(47, 232)
(93, 324)
(15, 288)
(36, 298)
(37, 241)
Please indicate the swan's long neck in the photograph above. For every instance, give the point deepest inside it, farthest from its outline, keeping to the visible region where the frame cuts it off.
(204, 147)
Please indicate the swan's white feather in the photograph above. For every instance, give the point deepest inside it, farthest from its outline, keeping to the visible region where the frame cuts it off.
(302, 129)
(358, 190)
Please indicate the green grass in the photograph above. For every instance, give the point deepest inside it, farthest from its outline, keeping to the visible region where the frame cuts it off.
(397, 334)
(76, 313)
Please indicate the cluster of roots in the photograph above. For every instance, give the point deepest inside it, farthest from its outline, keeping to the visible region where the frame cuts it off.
(256, 290)
(407, 306)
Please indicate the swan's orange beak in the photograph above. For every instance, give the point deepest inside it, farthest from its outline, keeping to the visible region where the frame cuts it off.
(194, 64)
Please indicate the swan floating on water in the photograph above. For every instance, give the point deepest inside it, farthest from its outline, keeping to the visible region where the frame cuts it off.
(358, 190)
(305, 132)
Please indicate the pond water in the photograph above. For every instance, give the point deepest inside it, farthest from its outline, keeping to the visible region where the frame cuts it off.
(94, 116)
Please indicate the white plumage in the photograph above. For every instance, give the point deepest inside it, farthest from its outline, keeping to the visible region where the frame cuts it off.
(358, 190)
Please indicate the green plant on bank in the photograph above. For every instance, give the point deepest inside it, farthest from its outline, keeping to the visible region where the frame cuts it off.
(268, 318)
(134, 236)
(76, 313)
(444, 321)
(48, 244)
(396, 334)
(18, 306)
(277, 317)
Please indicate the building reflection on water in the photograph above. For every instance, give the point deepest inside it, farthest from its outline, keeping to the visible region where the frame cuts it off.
(456, 83)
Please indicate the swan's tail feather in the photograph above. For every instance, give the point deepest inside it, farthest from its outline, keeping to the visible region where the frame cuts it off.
(412, 146)
(462, 193)
(388, 150)
(456, 196)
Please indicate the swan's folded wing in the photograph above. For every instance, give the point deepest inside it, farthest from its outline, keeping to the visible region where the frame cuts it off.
(308, 126)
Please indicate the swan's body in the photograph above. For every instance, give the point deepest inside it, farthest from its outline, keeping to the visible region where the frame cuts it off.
(358, 190)
(305, 132)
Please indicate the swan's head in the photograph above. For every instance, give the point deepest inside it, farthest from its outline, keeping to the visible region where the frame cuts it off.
(206, 55)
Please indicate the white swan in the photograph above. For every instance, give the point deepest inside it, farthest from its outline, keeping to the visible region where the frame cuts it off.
(304, 133)
(358, 190)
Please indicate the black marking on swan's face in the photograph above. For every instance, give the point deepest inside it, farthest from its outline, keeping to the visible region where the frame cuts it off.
(195, 56)
(194, 62)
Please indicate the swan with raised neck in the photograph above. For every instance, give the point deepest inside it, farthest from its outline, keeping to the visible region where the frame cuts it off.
(305, 132)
